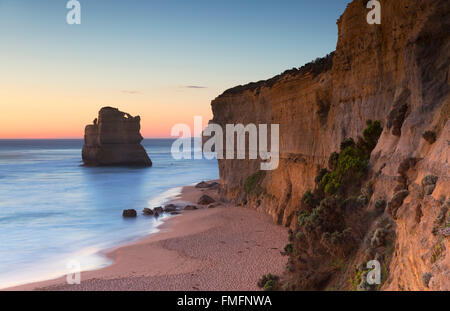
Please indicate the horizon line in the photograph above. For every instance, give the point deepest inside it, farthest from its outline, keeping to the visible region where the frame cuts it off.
(81, 138)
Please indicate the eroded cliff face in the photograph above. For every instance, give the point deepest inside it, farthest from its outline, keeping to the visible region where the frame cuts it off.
(114, 139)
(397, 73)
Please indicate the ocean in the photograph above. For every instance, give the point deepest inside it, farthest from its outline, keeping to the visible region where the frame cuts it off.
(54, 210)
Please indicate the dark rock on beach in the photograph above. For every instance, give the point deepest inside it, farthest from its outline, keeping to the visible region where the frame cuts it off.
(158, 210)
(114, 139)
(190, 207)
(202, 185)
(170, 208)
(129, 213)
(205, 185)
(147, 211)
(205, 200)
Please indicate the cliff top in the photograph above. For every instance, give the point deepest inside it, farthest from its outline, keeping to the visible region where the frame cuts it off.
(315, 67)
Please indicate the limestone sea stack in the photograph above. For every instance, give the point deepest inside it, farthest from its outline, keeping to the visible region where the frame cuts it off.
(114, 139)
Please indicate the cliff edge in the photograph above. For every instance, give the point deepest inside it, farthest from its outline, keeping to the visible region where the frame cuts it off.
(396, 73)
(114, 139)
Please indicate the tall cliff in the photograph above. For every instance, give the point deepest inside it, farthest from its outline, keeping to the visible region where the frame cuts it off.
(396, 72)
(114, 139)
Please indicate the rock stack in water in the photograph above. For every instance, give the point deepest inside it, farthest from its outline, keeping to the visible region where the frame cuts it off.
(114, 139)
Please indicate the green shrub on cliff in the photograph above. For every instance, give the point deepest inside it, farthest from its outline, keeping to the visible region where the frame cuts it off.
(348, 142)
(328, 220)
(311, 221)
(289, 248)
(308, 198)
(269, 282)
(252, 184)
(356, 279)
(302, 217)
(332, 161)
(351, 164)
(372, 133)
(320, 175)
(269, 286)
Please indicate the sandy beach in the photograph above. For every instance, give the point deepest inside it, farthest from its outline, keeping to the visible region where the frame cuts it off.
(221, 248)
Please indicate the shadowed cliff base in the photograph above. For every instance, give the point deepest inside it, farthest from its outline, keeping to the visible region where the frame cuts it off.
(114, 140)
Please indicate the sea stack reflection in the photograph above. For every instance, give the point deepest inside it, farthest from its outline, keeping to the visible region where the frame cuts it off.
(114, 139)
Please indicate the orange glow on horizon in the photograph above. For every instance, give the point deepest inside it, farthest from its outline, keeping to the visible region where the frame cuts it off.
(51, 114)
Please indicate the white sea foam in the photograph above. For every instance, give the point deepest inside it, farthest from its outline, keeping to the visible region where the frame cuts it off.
(164, 197)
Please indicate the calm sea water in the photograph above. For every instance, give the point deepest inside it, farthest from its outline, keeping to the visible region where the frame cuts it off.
(54, 210)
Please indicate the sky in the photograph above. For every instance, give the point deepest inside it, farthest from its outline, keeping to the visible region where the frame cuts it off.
(162, 60)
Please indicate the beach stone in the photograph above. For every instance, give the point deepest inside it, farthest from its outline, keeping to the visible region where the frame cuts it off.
(175, 213)
(158, 210)
(202, 185)
(214, 185)
(156, 214)
(129, 213)
(170, 208)
(147, 211)
(190, 207)
(214, 205)
(205, 185)
(205, 200)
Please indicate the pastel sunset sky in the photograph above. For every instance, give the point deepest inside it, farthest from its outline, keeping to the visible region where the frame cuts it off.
(162, 60)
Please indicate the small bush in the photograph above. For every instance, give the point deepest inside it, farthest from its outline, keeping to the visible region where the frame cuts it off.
(372, 134)
(308, 198)
(269, 285)
(337, 237)
(437, 253)
(348, 142)
(268, 282)
(356, 279)
(253, 181)
(332, 161)
(320, 175)
(351, 164)
(289, 248)
(302, 217)
(300, 235)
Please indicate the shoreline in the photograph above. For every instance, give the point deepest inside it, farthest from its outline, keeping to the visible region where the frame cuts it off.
(221, 248)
